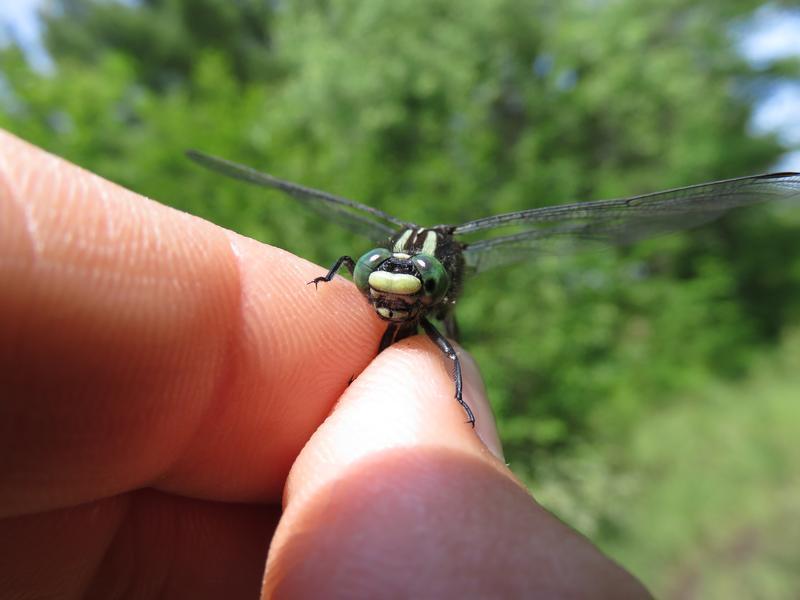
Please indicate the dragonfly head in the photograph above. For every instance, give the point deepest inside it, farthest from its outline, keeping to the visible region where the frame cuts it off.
(400, 286)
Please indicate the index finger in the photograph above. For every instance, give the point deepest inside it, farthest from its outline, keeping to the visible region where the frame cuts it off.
(146, 347)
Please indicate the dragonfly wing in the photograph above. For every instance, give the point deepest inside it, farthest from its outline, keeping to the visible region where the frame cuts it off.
(359, 218)
(572, 227)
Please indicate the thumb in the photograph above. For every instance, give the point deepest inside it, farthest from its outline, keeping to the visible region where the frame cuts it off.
(395, 495)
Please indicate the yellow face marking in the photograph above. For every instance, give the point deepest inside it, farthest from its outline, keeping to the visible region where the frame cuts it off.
(401, 242)
(429, 245)
(394, 283)
(393, 315)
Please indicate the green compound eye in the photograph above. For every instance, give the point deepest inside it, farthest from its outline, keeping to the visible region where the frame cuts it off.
(435, 280)
(366, 265)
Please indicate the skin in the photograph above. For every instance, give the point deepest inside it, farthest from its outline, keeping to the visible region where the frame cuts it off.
(175, 421)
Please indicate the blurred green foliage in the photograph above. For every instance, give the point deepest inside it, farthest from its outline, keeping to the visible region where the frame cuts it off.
(702, 501)
(440, 113)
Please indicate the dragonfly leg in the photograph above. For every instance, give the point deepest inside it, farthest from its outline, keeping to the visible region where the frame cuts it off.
(405, 330)
(388, 337)
(448, 350)
(451, 326)
(396, 332)
(343, 260)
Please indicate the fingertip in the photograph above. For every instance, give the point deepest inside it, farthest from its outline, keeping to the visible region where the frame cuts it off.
(155, 346)
(404, 399)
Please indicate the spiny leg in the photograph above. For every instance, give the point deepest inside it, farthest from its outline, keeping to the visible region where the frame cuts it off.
(445, 346)
(343, 260)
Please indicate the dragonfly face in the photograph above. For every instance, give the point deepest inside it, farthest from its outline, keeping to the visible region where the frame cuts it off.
(420, 271)
(412, 278)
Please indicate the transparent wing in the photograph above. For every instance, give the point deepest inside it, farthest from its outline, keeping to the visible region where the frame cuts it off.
(359, 218)
(570, 227)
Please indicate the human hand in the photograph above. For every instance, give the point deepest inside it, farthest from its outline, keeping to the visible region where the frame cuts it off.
(165, 385)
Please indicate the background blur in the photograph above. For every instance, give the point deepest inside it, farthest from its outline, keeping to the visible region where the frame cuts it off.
(649, 395)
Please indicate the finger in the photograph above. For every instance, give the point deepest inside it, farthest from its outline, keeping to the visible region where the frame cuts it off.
(138, 545)
(395, 495)
(405, 398)
(143, 346)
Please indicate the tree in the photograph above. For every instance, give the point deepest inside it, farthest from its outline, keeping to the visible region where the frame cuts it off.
(441, 114)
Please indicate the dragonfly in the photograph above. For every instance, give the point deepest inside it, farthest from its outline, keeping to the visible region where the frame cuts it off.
(416, 273)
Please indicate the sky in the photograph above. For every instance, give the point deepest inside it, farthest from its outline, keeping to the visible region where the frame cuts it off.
(19, 18)
(777, 35)
(774, 35)
(20, 14)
